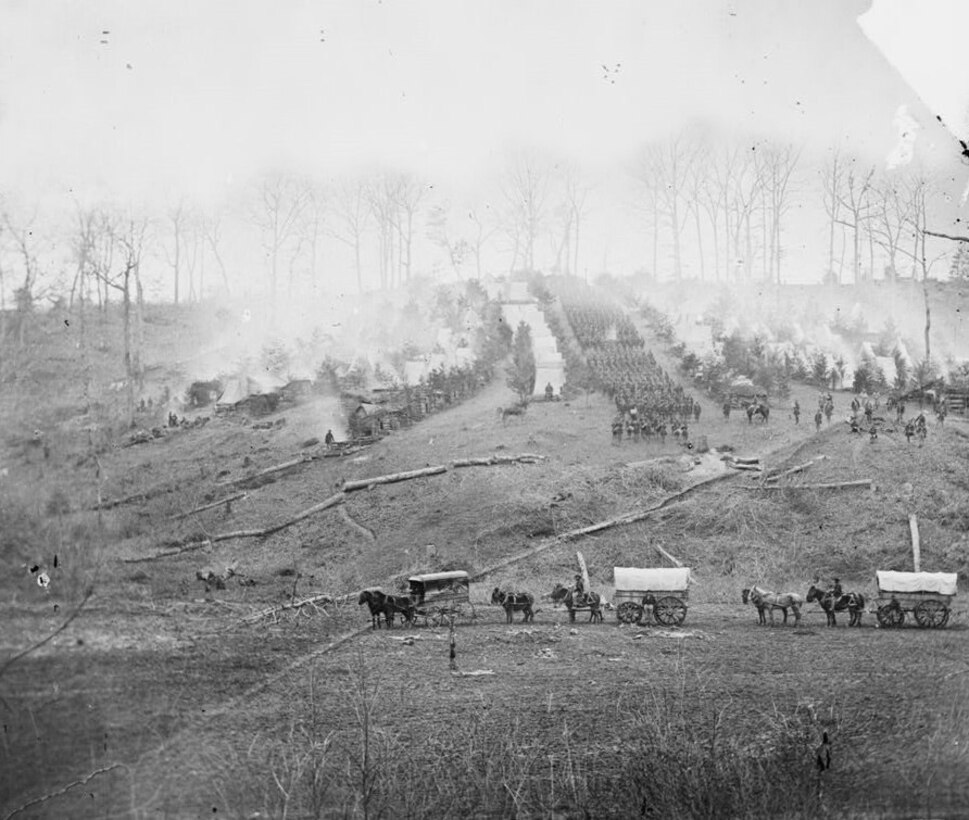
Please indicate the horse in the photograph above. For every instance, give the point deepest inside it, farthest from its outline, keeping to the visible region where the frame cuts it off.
(377, 601)
(402, 604)
(512, 601)
(590, 600)
(766, 600)
(518, 411)
(761, 410)
(853, 602)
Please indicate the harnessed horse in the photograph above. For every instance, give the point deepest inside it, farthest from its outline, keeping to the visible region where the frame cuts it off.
(513, 601)
(768, 601)
(586, 600)
(853, 602)
(376, 601)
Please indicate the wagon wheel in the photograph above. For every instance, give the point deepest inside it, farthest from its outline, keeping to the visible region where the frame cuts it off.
(670, 611)
(629, 612)
(890, 615)
(932, 614)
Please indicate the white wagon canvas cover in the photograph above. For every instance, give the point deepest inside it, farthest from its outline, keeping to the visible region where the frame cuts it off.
(657, 579)
(941, 583)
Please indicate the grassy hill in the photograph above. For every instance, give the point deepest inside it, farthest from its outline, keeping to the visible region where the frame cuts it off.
(166, 677)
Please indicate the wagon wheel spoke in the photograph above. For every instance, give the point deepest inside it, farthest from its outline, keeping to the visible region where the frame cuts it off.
(890, 615)
(629, 612)
(931, 614)
(670, 611)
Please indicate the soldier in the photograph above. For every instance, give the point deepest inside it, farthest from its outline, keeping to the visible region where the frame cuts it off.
(549, 392)
(329, 438)
(579, 593)
(797, 412)
(818, 418)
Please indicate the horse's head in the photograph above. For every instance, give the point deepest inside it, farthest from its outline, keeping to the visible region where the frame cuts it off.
(814, 594)
(364, 597)
(745, 594)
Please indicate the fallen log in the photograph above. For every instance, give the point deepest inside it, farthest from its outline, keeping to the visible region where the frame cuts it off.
(365, 483)
(838, 485)
(753, 468)
(799, 468)
(667, 556)
(342, 452)
(226, 500)
(366, 532)
(332, 501)
(490, 461)
(746, 459)
(276, 468)
(313, 600)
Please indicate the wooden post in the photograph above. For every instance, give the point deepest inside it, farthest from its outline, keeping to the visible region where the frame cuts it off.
(585, 572)
(913, 525)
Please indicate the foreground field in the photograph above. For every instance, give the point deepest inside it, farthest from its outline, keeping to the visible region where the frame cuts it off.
(571, 720)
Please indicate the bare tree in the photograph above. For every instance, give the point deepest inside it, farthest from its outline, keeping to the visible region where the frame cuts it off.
(384, 207)
(439, 231)
(280, 200)
(128, 235)
(891, 206)
(854, 202)
(211, 228)
(351, 218)
(409, 192)
(832, 174)
(778, 163)
(482, 232)
(919, 186)
(524, 188)
(312, 227)
(664, 171)
(570, 211)
(744, 185)
(177, 219)
(24, 240)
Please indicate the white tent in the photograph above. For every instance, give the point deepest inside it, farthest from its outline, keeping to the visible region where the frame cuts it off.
(238, 388)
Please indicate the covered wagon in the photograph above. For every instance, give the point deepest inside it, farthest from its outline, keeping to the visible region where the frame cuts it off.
(927, 595)
(664, 590)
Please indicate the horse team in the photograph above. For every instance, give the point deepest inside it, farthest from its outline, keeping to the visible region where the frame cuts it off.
(831, 601)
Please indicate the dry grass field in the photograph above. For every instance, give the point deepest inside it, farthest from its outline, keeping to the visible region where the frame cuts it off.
(162, 699)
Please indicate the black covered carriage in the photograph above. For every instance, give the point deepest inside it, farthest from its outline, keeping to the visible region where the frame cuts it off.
(437, 595)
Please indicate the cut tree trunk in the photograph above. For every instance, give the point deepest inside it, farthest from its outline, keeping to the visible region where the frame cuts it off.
(332, 501)
(839, 485)
(799, 468)
(220, 502)
(364, 483)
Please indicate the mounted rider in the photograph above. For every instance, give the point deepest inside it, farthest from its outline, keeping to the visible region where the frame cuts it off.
(578, 592)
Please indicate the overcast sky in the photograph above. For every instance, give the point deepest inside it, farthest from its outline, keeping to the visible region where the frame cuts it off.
(197, 95)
